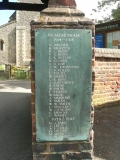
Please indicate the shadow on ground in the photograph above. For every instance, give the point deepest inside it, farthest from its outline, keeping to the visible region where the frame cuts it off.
(14, 84)
(107, 133)
(15, 123)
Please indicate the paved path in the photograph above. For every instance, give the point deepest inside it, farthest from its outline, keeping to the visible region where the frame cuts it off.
(15, 120)
(15, 125)
(107, 133)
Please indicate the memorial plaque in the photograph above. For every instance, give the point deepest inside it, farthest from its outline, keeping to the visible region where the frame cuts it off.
(63, 84)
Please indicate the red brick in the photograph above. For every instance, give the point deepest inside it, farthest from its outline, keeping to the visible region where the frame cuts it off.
(93, 76)
(38, 148)
(93, 62)
(32, 33)
(32, 54)
(32, 75)
(33, 128)
(32, 65)
(102, 83)
(33, 87)
(33, 120)
(34, 138)
(32, 41)
(70, 3)
(117, 75)
(113, 86)
(118, 86)
(99, 63)
(100, 80)
(32, 98)
(114, 78)
(108, 83)
(113, 64)
(118, 82)
(33, 109)
(93, 42)
(113, 94)
(108, 90)
(108, 75)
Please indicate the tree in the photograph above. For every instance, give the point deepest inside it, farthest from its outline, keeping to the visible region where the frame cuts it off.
(104, 5)
(116, 13)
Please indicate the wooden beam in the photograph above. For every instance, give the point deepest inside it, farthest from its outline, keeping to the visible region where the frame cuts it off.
(5, 1)
(22, 6)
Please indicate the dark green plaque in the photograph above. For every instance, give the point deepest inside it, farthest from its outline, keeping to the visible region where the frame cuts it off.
(63, 84)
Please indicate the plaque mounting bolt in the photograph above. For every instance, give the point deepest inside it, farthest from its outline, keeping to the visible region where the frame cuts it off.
(38, 140)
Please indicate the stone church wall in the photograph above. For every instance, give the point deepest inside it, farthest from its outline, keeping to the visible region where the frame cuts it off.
(23, 34)
(8, 35)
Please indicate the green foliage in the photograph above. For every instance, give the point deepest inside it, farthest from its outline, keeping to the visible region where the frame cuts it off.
(2, 67)
(116, 13)
(100, 21)
(104, 5)
(20, 72)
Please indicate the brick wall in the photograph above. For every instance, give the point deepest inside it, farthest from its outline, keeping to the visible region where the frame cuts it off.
(107, 77)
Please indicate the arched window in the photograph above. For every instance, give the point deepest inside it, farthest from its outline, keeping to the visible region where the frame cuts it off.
(1, 44)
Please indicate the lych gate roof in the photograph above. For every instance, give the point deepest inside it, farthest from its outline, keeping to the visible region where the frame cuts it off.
(5, 4)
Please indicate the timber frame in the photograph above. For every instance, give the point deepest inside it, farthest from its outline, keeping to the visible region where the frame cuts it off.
(6, 5)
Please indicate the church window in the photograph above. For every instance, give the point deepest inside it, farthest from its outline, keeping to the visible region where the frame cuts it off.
(1, 44)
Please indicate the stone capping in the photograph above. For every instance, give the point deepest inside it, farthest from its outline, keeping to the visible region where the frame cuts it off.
(107, 53)
(63, 11)
(7, 24)
(62, 16)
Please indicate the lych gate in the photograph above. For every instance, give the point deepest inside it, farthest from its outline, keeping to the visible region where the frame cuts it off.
(61, 56)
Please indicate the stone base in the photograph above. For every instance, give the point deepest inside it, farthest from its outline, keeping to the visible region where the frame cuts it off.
(62, 151)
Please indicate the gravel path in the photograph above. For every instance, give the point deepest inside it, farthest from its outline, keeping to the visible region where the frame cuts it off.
(107, 133)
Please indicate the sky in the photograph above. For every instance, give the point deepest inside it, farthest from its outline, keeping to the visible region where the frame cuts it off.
(84, 5)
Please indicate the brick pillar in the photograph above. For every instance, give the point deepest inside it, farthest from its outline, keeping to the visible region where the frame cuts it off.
(57, 17)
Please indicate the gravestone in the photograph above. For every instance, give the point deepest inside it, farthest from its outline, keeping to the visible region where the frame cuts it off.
(61, 81)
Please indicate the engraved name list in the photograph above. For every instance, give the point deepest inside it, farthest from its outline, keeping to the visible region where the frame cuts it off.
(59, 97)
(63, 84)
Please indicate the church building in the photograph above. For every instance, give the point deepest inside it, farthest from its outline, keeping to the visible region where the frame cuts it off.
(15, 37)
